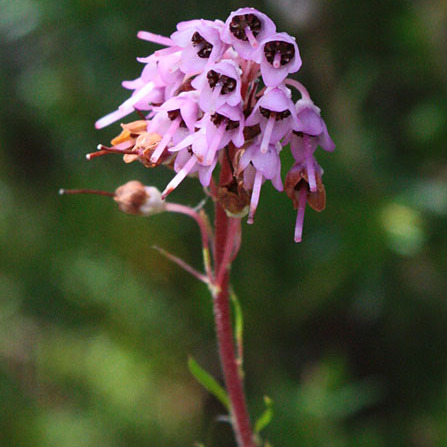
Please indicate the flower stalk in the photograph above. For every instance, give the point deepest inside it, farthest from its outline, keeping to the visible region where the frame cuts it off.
(225, 241)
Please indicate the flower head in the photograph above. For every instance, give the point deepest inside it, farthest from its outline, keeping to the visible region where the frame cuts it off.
(206, 107)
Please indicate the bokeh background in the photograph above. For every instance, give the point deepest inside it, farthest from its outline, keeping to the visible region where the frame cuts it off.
(346, 332)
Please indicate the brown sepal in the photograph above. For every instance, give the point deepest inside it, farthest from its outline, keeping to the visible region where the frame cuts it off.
(295, 179)
(234, 198)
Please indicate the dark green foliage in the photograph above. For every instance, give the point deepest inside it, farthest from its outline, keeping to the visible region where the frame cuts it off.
(346, 331)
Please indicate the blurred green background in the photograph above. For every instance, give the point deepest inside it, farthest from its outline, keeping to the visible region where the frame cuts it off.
(346, 332)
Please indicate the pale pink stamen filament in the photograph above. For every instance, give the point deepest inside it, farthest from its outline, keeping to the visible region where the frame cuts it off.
(300, 87)
(267, 133)
(163, 52)
(112, 117)
(310, 164)
(179, 177)
(251, 38)
(215, 143)
(277, 60)
(155, 38)
(255, 196)
(300, 216)
(214, 96)
(140, 94)
(166, 139)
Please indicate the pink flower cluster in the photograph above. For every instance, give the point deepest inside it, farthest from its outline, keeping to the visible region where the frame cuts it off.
(219, 92)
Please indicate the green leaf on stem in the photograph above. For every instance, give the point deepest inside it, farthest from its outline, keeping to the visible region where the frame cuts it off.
(208, 382)
(238, 329)
(266, 416)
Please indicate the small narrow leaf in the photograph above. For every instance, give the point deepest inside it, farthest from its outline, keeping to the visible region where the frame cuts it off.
(208, 382)
(266, 416)
(238, 327)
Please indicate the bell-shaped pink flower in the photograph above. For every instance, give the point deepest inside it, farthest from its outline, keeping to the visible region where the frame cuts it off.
(220, 84)
(310, 132)
(275, 113)
(245, 29)
(221, 127)
(181, 111)
(200, 43)
(279, 56)
(257, 167)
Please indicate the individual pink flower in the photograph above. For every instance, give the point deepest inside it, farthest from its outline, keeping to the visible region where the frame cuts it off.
(158, 79)
(223, 126)
(278, 57)
(257, 167)
(220, 84)
(182, 112)
(204, 171)
(200, 43)
(191, 152)
(310, 132)
(276, 115)
(245, 29)
(311, 123)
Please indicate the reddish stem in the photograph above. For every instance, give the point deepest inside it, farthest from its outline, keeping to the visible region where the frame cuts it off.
(227, 233)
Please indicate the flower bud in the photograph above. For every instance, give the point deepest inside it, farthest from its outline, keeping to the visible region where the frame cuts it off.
(135, 198)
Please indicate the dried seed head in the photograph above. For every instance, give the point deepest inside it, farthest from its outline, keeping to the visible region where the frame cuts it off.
(135, 198)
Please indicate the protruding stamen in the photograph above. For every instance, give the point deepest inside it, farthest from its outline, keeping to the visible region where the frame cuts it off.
(286, 50)
(112, 117)
(134, 99)
(214, 96)
(165, 52)
(277, 60)
(267, 133)
(155, 38)
(179, 177)
(215, 143)
(104, 150)
(97, 192)
(310, 164)
(113, 150)
(300, 216)
(96, 154)
(251, 38)
(166, 139)
(240, 23)
(255, 196)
